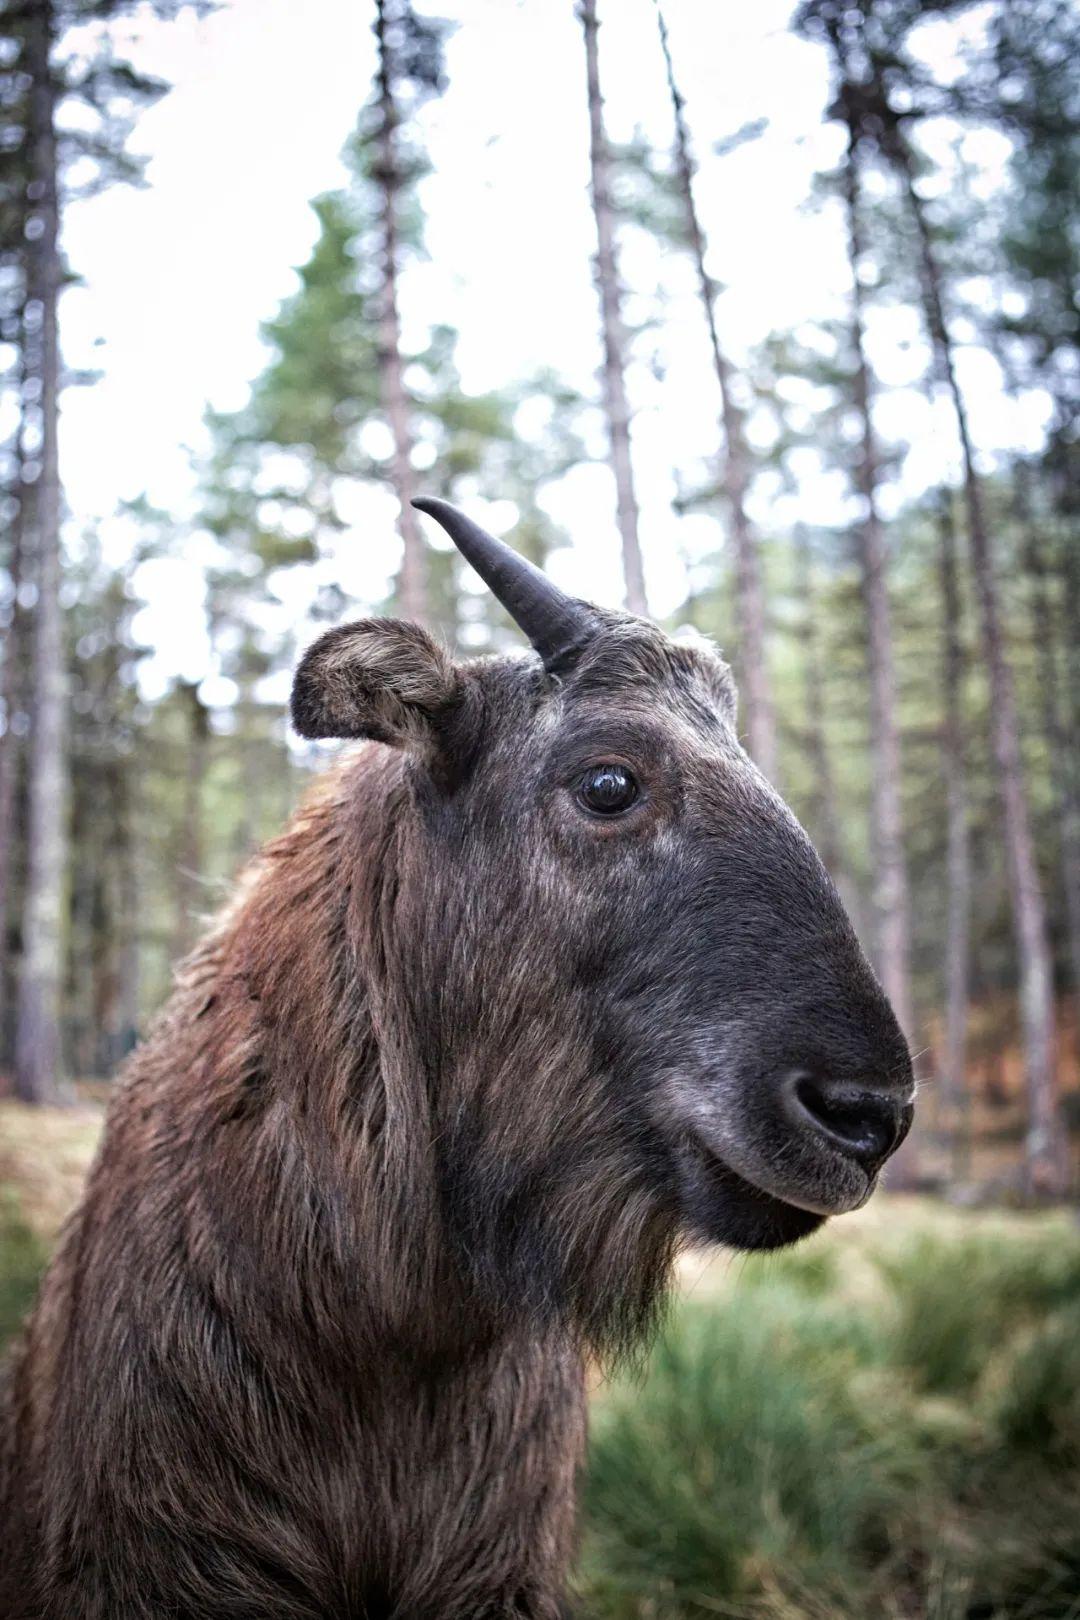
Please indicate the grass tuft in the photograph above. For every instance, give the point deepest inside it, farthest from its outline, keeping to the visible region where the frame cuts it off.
(885, 1430)
(22, 1260)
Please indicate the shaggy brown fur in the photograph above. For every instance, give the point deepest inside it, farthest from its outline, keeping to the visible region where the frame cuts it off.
(405, 1142)
(249, 1368)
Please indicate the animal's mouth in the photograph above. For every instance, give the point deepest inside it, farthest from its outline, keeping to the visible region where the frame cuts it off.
(721, 1206)
(824, 1183)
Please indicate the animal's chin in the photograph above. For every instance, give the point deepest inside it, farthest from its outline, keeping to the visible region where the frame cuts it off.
(720, 1206)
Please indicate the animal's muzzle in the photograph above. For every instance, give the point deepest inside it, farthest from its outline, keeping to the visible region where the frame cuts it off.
(863, 1124)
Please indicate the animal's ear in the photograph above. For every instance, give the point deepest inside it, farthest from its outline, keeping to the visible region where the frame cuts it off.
(378, 678)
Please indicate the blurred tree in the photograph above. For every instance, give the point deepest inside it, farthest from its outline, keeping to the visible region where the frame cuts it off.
(58, 57)
(736, 470)
(613, 330)
(825, 817)
(37, 1035)
(13, 413)
(410, 65)
(1025, 82)
(102, 979)
(958, 841)
(881, 94)
(13, 673)
(818, 390)
(1047, 637)
(284, 473)
(892, 906)
(189, 862)
(1047, 1149)
(12, 698)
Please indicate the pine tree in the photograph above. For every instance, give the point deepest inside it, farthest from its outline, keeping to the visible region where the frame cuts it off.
(869, 43)
(14, 641)
(736, 470)
(958, 840)
(892, 906)
(1033, 49)
(282, 469)
(612, 325)
(13, 210)
(1047, 640)
(105, 762)
(825, 817)
(37, 1038)
(410, 62)
(1047, 1150)
(52, 75)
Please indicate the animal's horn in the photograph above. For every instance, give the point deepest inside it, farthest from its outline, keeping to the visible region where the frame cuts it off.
(557, 626)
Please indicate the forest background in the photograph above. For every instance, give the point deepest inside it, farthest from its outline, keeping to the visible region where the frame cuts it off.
(762, 319)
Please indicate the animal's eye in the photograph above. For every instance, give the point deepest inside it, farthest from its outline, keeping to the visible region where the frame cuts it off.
(607, 790)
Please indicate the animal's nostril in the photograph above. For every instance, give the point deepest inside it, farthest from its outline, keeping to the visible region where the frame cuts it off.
(864, 1124)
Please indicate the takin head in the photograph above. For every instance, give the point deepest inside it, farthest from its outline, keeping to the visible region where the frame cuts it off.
(640, 1008)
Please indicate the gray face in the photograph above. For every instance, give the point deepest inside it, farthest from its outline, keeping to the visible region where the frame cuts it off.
(642, 1011)
(679, 917)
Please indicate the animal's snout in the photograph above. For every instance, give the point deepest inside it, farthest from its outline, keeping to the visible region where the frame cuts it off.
(864, 1123)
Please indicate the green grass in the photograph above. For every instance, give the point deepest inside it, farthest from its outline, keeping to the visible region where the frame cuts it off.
(954, 1301)
(22, 1259)
(44, 1155)
(892, 1432)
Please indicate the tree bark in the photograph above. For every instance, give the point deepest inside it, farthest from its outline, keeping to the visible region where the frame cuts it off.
(1055, 728)
(189, 866)
(892, 925)
(11, 678)
(37, 1035)
(116, 970)
(735, 468)
(127, 904)
(1047, 1150)
(412, 592)
(826, 820)
(616, 405)
(955, 1094)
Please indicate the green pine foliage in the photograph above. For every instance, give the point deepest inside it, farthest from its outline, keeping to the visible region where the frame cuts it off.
(888, 1429)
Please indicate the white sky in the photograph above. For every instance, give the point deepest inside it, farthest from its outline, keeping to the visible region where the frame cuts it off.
(176, 278)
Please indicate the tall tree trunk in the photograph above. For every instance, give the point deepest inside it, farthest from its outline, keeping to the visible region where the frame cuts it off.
(616, 405)
(892, 925)
(955, 1094)
(245, 743)
(1069, 568)
(1067, 502)
(1055, 728)
(412, 592)
(37, 1034)
(11, 681)
(115, 923)
(82, 956)
(189, 866)
(826, 820)
(735, 472)
(127, 901)
(1047, 1150)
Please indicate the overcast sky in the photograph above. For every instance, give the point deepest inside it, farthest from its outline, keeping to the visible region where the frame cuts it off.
(177, 277)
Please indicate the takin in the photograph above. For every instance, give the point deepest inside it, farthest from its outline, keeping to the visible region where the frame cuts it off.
(544, 981)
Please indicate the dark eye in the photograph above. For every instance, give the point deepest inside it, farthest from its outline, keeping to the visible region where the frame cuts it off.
(607, 789)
